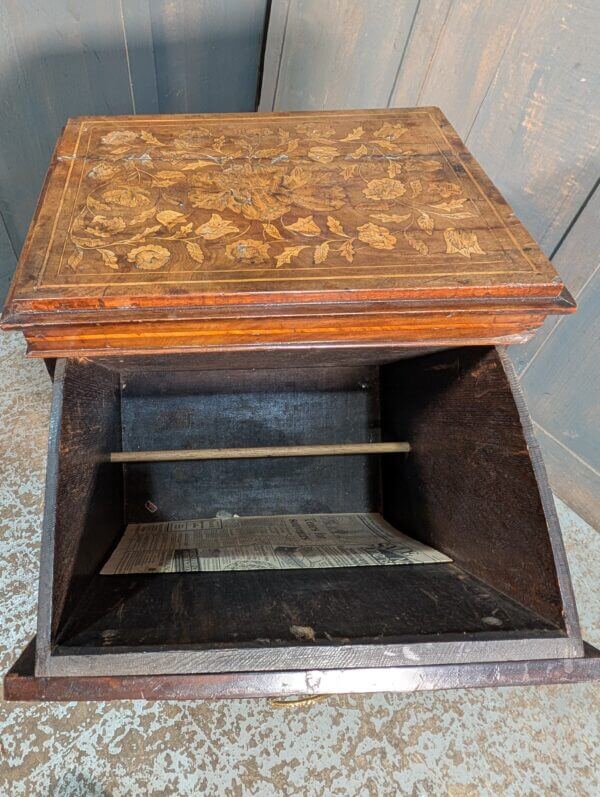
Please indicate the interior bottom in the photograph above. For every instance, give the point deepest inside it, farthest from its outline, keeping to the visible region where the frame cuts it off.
(267, 608)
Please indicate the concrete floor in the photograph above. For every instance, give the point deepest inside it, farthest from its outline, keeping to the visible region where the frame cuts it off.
(528, 741)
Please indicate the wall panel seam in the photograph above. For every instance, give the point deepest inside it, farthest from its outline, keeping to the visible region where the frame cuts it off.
(558, 442)
(403, 54)
(559, 321)
(495, 75)
(433, 54)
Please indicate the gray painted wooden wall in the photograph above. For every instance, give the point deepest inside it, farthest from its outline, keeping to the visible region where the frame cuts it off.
(519, 79)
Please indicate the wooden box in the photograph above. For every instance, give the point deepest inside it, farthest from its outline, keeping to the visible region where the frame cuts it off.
(279, 284)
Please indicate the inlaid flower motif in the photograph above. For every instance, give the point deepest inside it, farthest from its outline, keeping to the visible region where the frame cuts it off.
(149, 258)
(119, 137)
(104, 227)
(385, 188)
(462, 242)
(126, 196)
(377, 237)
(249, 250)
(261, 193)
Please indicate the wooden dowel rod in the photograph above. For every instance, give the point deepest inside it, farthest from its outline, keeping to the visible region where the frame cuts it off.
(255, 453)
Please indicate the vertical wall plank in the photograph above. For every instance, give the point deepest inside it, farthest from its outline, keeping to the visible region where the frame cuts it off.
(278, 18)
(139, 51)
(7, 260)
(207, 54)
(538, 130)
(454, 65)
(342, 53)
(428, 25)
(563, 384)
(577, 260)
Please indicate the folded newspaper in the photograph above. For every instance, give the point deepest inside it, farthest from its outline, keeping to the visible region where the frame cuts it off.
(280, 542)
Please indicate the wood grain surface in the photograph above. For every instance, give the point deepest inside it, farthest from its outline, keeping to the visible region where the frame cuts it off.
(191, 215)
(21, 684)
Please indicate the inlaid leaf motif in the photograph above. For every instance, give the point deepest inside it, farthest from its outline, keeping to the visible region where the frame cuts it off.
(76, 258)
(462, 242)
(375, 236)
(359, 152)
(95, 205)
(268, 152)
(140, 218)
(185, 229)
(445, 189)
(286, 256)
(388, 218)
(321, 252)
(216, 227)
(145, 233)
(109, 258)
(272, 230)
(391, 131)
(170, 218)
(119, 137)
(149, 138)
(166, 178)
(450, 207)
(385, 144)
(393, 169)
(120, 150)
(356, 133)
(323, 154)
(126, 196)
(348, 171)
(426, 223)
(347, 251)
(416, 243)
(335, 226)
(416, 186)
(105, 226)
(305, 226)
(195, 251)
(193, 165)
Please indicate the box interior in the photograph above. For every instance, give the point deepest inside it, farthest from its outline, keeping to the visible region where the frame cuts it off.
(467, 488)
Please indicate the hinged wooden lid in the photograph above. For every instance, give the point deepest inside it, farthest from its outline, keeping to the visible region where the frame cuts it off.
(179, 233)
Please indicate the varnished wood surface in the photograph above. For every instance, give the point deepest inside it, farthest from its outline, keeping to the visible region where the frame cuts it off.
(174, 455)
(21, 684)
(327, 212)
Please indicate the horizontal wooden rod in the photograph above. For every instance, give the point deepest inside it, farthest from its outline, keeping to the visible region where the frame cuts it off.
(255, 453)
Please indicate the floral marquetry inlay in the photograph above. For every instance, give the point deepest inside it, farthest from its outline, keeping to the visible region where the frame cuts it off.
(184, 233)
(284, 194)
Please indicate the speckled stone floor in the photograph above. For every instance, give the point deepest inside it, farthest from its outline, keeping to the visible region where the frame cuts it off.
(528, 741)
